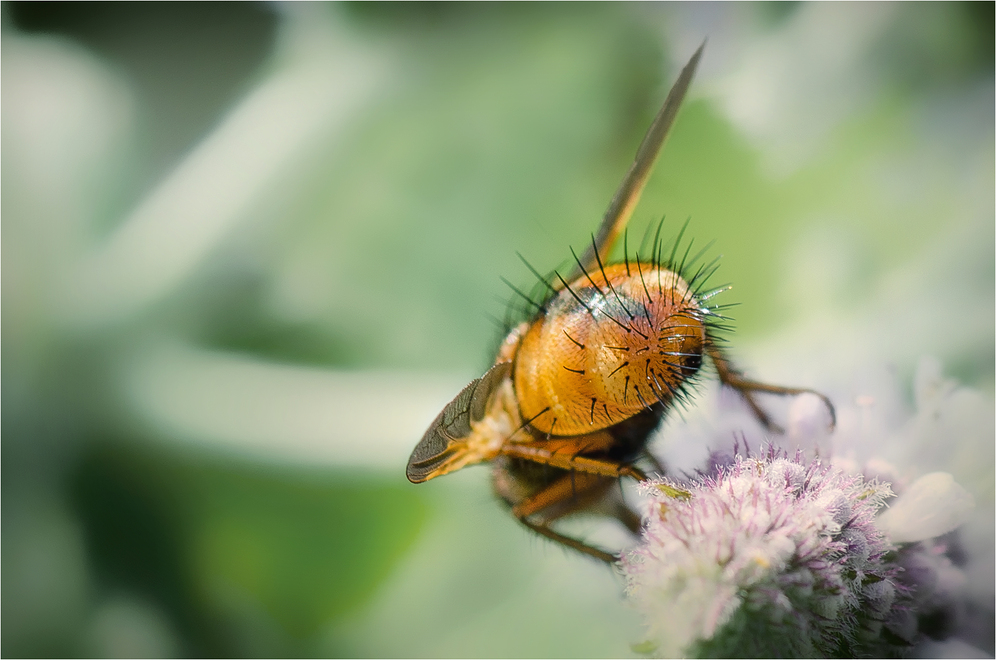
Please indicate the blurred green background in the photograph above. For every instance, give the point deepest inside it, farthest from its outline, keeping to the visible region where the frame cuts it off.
(250, 250)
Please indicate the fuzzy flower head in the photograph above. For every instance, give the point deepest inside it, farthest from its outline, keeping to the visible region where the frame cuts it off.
(765, 557)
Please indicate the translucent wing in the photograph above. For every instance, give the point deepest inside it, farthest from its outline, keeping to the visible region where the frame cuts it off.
(628, 194)
(438, 444)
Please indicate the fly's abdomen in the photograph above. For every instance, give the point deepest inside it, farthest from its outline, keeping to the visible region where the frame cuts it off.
(607, 348)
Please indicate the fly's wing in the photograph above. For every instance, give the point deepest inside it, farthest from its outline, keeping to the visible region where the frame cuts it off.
(437, 445)
(628, 194)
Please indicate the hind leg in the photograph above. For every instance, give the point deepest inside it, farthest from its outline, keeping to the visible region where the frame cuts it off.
(572, 492)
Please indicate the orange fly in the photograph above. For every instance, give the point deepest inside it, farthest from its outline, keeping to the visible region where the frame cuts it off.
(576, 392)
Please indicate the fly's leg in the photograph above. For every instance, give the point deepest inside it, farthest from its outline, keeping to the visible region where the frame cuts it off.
(566, 495)
(543, 529)
(746, 388)
(629, 518)
(600, 467)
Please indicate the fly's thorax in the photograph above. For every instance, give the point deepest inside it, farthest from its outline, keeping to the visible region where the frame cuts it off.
(607, 348)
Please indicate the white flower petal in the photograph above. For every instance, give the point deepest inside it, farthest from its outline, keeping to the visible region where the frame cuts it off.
(951, 648)
(809, 420)
(933, 505)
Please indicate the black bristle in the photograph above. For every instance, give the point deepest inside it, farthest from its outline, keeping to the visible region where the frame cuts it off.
(576, 342)
(576, 297)
(532, 302)
(550, 290)
(626, 250)
(674, 248)
(609, 283)
(585, 271)
(655, 248)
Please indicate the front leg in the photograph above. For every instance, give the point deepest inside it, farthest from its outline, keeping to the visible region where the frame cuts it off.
(730, 377)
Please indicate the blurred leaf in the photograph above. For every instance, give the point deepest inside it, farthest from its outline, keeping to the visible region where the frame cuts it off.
(214, 541)
(308, 550)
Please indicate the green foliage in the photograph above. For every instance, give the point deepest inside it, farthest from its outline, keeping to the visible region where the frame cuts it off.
(232, 548)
